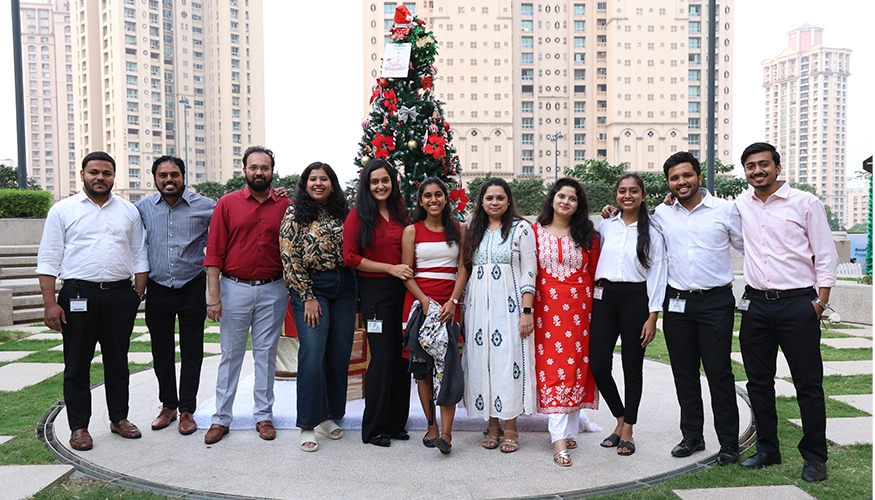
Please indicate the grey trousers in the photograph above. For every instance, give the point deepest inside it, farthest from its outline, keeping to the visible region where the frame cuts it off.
(263, 309)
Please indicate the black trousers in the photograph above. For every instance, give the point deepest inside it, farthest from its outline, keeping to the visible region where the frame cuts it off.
(110, 321)
(387, 384)
(793, 325)
(163, 306)
(621, 313)
(703, 332)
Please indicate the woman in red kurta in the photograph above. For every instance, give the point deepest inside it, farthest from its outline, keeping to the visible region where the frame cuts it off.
(568, 251)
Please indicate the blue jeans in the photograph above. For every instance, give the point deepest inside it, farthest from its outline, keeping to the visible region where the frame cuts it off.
(323, 358)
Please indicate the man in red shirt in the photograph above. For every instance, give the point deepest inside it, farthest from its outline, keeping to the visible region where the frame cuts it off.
(246, 289)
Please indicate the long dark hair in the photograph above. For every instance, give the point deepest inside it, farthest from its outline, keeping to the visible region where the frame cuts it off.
(642, 247)
(451, 225)
(480, 221)
(366, 206)
(307, 210)
(582, 229)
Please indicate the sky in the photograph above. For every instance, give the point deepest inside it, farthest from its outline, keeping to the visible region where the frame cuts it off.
(313, 97)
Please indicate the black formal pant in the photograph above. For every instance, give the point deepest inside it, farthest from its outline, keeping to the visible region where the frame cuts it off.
(703, 332)
(621, 312)
(387, 383)
(163, 306)
(108, 320)
(792, 324)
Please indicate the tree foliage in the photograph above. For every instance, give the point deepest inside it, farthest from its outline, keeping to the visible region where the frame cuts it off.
(9, 179)
(215, 190)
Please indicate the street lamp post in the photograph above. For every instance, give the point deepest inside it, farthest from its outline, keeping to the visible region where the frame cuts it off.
(555, 140)
(185, 107)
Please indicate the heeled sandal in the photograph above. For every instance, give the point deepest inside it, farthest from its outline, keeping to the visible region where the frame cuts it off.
(489, 442)
(510, 445)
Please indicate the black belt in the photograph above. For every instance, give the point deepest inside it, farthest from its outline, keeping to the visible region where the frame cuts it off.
(253, 282)
(105, 285)
(777, 294)
(716, 289)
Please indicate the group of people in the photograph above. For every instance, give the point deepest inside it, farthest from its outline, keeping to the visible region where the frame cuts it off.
(541, 305)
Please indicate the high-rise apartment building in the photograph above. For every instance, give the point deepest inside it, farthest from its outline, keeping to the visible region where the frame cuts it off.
(805, 113)
(857, 208)
(622, 81)
(140, 79)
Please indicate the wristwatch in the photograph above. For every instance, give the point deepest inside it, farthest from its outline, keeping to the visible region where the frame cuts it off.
(141, 295)
(824, 305)
(528, 310)
(454, 301)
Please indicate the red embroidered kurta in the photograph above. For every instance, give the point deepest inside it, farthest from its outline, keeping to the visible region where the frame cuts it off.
(563, 309)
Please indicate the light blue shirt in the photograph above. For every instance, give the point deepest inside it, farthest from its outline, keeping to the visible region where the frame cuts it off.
(176, 236)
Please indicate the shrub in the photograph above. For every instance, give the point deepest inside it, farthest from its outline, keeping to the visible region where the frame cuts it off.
(24, 203)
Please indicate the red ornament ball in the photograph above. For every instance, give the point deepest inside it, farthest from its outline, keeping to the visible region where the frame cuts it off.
(384, 83)
(446, 126)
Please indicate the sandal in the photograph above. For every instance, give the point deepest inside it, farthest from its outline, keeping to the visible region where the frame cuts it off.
(308, 436)
(563, 455)
(442, 444)
(613, 441)
(571, 444)
(629, 445)
(489, 442)
(329, 429)
(510, 445)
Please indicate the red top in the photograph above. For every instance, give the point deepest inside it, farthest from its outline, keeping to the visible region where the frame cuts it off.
(385, 248)
(244, 235)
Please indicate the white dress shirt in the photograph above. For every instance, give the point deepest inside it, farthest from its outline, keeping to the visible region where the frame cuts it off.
(697, 242)
(82, 240)
(787, 240)
(618, 261)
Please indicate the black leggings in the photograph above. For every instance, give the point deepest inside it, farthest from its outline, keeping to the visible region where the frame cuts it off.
(622, 312)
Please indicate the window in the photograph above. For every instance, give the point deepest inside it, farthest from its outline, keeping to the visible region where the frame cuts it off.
(579, 155)
(693, 107)
(131, 67)
(528, 139)
(580, 42)
(579, 9)
(694, 139)
(579, 74)
(580, 106)
(694, 59)
(580, 122)
(695, 10)
(528, 155)
(693, 43)
(526, 42)
(579, 26)
(693, 123)
(527, 58)
(134, 159)
(526, 26)
(526, 9)
(133, 120)
(133, 107)
(695, 27)
(528, 74)
(579, 58)
(528, 107)
(579, 139)
(527, 123)
(693, 91)
(693, 75)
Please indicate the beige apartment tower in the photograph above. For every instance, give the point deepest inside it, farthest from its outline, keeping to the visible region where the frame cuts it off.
(143, 78)
(621, 80)
(805, 113)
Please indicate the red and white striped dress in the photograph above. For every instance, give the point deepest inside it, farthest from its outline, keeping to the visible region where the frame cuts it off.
(435, 267)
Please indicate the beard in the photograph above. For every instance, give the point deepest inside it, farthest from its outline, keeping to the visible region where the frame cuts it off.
(90, 190)
(259, 185)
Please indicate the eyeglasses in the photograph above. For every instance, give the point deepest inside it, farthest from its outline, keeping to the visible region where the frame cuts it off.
(263, 170)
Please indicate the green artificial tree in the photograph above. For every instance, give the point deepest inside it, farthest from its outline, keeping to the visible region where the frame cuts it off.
(406, 125)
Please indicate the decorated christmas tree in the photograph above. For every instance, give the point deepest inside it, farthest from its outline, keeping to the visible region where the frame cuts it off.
(406, 125)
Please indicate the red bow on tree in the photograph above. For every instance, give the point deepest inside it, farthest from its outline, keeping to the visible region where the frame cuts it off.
(435, 146)
(383, 144)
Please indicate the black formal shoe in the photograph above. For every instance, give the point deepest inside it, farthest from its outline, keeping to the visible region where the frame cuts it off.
(400, 435)
(761, 459)
(381, 440)
(727, 456)
(814, 471)
(687, 447)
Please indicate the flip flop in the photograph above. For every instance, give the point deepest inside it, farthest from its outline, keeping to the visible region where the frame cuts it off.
(327, 429)
(308, 436)
(571, 444)
(614, 439)
(629, 445)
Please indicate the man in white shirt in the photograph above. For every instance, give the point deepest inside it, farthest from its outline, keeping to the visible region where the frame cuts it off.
(94, 241)
(699, 308)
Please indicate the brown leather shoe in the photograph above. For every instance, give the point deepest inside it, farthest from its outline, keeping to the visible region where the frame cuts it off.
(186, 423)
(265, 430)
(164, 418)
(125, 429)
(80, 440)
(215, 434)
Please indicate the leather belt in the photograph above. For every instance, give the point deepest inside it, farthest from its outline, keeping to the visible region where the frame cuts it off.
(253, 282)
(701, 292)
(105, 285)
(778, 294)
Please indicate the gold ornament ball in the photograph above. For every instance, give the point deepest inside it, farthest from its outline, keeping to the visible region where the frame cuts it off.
(365, 160)
(412, 144)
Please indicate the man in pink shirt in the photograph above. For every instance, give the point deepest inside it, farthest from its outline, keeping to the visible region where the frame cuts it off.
(788, 251)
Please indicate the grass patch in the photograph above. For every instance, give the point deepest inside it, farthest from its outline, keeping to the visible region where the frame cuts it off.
(7, 335)
(826, 334)
(44, 357)
(789, 408)
(212, 338)
(856, 354)
(736, 323)
(834, 385)
(29, 345)
(91, 489)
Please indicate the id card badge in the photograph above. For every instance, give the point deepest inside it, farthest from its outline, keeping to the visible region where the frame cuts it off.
(78, 305)
(677, 305)
(375, 326)
(597, 292)
(744, 304)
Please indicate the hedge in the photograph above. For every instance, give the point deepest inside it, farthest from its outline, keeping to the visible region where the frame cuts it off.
(24, 203)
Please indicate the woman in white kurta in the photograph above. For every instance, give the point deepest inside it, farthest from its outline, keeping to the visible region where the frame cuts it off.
(499, 349)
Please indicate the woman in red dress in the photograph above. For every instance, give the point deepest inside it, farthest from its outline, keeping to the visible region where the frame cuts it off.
(568, 251)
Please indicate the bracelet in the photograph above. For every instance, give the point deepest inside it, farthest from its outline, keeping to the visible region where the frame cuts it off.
(214, 303)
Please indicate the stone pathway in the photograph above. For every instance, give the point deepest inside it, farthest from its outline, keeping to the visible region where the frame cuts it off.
(24, 481)
(745, 493)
